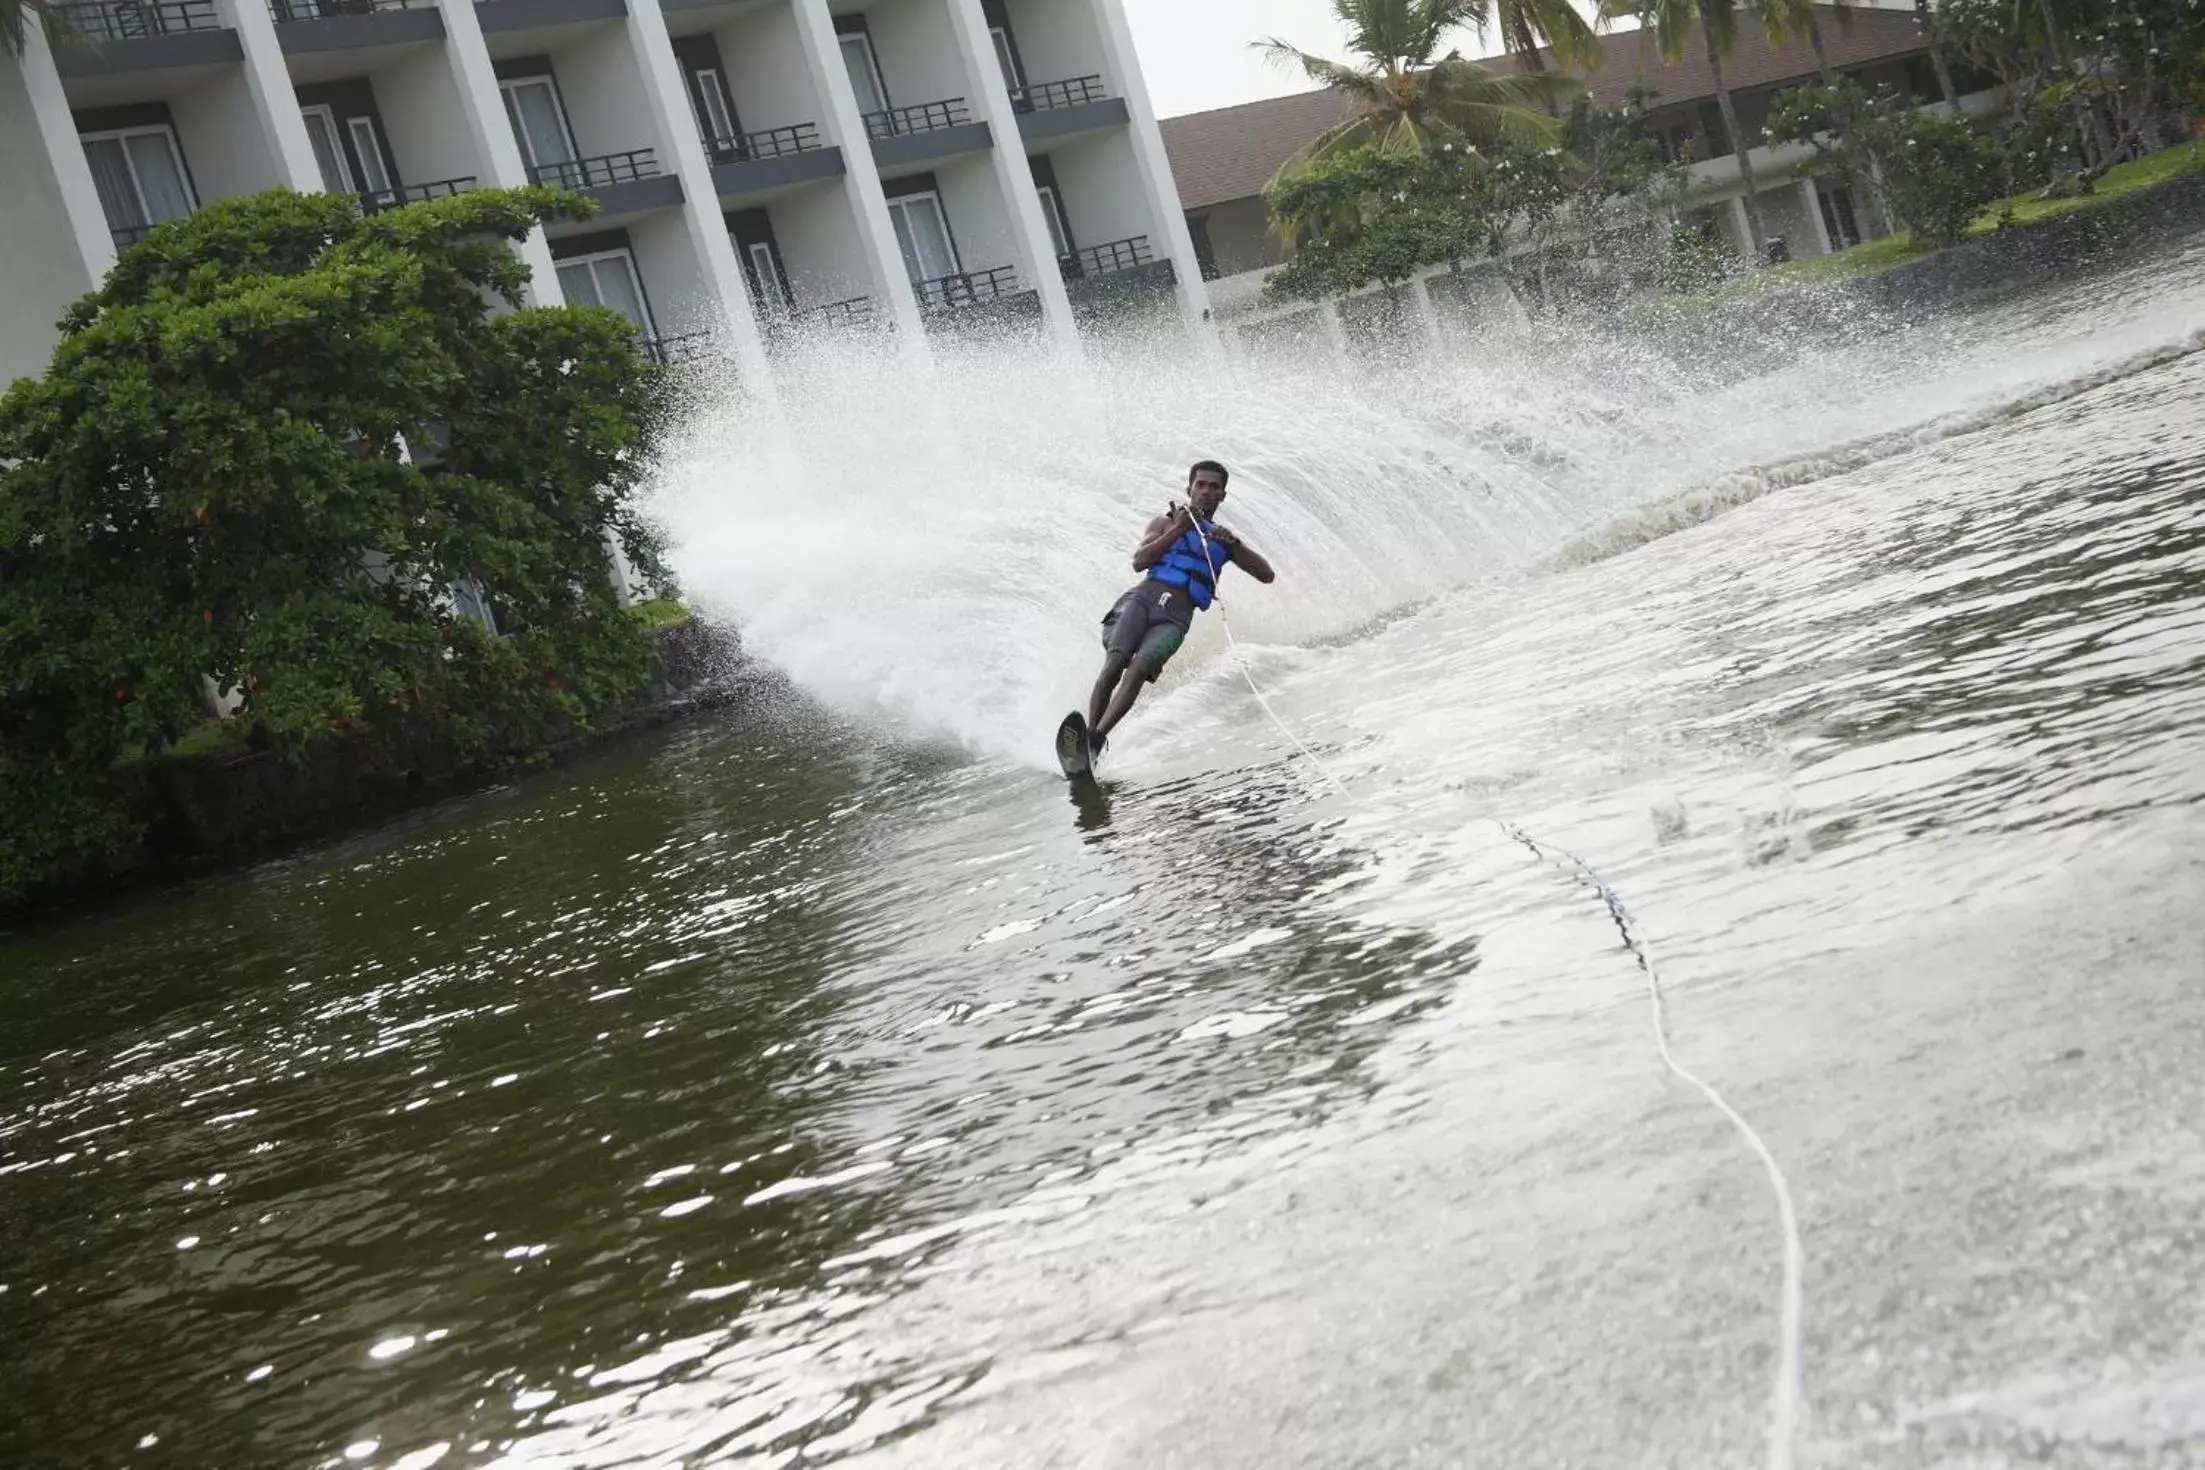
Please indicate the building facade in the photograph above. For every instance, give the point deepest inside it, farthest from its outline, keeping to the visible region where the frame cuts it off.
(1223, 158)
(764, 169)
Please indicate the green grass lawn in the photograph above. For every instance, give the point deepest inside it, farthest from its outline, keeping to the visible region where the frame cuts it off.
(2127, 178)
(1874, 257)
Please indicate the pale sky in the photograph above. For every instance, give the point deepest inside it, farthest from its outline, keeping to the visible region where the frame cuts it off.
(1196, 56)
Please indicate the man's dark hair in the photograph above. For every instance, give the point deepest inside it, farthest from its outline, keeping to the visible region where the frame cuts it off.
(1224, 476)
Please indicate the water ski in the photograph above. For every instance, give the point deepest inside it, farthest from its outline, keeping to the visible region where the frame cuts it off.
(1072, 748)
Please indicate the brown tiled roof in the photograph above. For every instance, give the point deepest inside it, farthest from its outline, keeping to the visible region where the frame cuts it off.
(1232, 152)
(1852, 37)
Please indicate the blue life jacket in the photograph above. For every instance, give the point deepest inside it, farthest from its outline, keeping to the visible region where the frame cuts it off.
(1187, 563)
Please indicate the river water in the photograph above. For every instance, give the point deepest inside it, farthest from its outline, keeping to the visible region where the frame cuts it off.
(825, 1082)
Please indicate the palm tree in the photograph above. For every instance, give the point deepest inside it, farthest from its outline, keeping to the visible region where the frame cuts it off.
(1715, 22)
(1400, 98)
(1527, 25)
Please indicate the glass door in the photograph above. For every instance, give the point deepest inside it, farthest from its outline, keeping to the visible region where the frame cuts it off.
(367, 147)
(329, 154)
(606, 280)
(140, 178)
(539, 123)
(857, 56)
(922, 234)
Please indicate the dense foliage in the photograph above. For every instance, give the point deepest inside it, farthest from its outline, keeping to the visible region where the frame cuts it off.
(1371, 216)
(1933, 171)
(286, 451)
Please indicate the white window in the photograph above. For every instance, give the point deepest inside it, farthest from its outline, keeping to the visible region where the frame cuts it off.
(539, 122)
(922, 233)
(140, 177)
(857, 56)
(773, 300)
(715, 119)
(321, 131)
(368, 148)
(606, 279)
(1008, 60)
(1059, 238)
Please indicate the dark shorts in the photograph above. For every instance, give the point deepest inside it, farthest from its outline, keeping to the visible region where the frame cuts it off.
(1148, 624)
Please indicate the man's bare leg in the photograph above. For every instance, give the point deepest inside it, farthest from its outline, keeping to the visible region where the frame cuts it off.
(1129, 689)
(1113, 670)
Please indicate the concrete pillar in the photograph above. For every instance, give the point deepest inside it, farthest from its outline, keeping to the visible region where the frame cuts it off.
(844, 127)
(1335, 330)
(1811, 201)
(84, 220)
(1741, 229)
(1122, 71)
(682, 150)
(497, 153)
(1037, 263)
(1427, 315)
(268, 83)
(54, 238)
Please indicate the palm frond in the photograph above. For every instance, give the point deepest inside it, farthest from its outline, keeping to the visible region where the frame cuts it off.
(1337, 75)
(1339, 138)
(1431, 20)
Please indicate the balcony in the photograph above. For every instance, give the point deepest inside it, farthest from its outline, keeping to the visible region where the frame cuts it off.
(623, 183)
(748, 164)
(376, 200)
(286, 11)
(676, 351)
(130, 235)
(143, 35)
(769, 143)
(858, 311)
(497, 17)
(977, 299)
(1115, 271)
(923, 117)
(341, 25)
(1050, 96)
(924, 133)
(1065, 109)
(131, 20)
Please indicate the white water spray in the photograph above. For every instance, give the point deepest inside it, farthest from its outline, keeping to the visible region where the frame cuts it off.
(934, 552)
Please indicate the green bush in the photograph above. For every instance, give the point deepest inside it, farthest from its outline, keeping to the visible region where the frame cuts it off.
(265, 452)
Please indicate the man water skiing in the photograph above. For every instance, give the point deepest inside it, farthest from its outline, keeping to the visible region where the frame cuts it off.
(1183, 551)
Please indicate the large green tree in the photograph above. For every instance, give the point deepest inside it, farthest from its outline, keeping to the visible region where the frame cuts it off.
(265, 454)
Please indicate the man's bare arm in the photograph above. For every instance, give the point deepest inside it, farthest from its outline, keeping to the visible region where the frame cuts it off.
(1157, 539)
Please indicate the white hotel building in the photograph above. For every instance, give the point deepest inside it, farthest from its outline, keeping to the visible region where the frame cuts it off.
(915, 167)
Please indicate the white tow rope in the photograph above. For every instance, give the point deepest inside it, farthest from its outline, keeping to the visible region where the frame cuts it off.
(1784, 1394)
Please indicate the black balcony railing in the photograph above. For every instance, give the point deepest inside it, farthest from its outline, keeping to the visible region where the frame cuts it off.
(923, 117)
(127, 20)
(770, 143)
(676, 350)
(1049, 96)
(375, 199)
(967, 288)
(284, 10)
(129, 235)
(1106, 260)
(858, 311)
(599, 172)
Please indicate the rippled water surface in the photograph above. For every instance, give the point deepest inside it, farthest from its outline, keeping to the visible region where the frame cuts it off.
(792, 1088)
